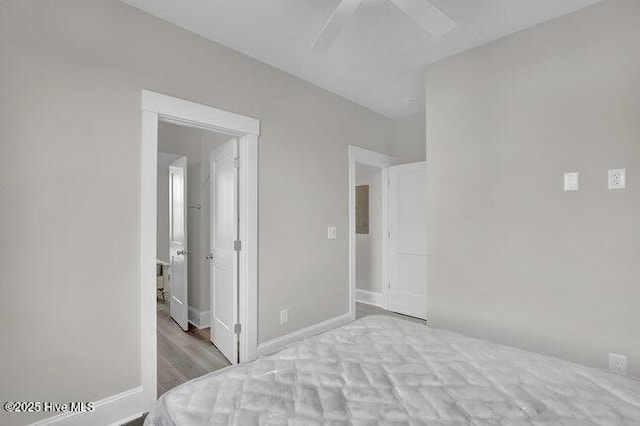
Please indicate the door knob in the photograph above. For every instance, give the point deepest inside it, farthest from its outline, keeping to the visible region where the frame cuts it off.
(181, 252)
(210, 256)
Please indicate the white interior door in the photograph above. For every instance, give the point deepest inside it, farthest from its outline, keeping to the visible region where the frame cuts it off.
(223, 255)
(179, 302)
(407, 207)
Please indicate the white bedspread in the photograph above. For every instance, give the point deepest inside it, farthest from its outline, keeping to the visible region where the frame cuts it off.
(385, 371)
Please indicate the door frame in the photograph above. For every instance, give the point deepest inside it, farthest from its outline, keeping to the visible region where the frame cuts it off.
(367, 157)
(155, 108)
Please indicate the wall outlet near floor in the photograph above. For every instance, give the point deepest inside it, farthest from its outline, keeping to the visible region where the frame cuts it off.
(618, 179)
(284, 316)
(618, 364)
(331, 233)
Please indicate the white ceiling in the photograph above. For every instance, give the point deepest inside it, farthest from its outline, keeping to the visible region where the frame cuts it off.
(378, 59)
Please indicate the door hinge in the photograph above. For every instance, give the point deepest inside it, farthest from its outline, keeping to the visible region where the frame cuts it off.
(236, 162)
(237, 245)
(237, 328)
(389, 284)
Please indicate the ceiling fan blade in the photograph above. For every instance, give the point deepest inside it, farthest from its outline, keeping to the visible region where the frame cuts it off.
(427, 15)
(334, 25)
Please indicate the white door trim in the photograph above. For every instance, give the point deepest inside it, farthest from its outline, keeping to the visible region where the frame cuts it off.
(113, 410)
(155, 108)
(381, 161)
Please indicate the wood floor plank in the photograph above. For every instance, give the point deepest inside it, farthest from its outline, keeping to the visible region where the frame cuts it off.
(203, 356)
(183, 356)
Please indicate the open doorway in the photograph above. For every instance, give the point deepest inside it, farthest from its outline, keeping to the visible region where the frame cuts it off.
(369, 234)
(387, 228)
(225, 146)
(367, 229)
(187, 344)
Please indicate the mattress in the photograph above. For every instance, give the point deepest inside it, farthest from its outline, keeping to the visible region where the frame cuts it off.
(386, 371)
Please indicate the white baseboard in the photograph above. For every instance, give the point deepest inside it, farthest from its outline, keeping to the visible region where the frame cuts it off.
(199, 319)
(279, 342)
(369, 297)
(113, 410)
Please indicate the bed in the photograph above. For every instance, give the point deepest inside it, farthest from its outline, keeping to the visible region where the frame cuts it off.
(381, 370)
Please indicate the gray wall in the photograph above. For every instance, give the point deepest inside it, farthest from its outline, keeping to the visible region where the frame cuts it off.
(70, 127)
(409, 133)
(512, 257)
(369, 246)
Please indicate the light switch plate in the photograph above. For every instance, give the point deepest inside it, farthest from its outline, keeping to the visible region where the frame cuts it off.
(572, 181)
(618, 179)
(331, 233)
(284, 316)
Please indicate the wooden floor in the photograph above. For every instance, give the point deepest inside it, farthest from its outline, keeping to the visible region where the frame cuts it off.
(362, 310)
(183, 356)
(137, 422)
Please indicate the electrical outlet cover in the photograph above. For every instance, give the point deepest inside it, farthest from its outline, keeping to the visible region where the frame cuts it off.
(618, 364)
(331, 233)
(618, 179)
